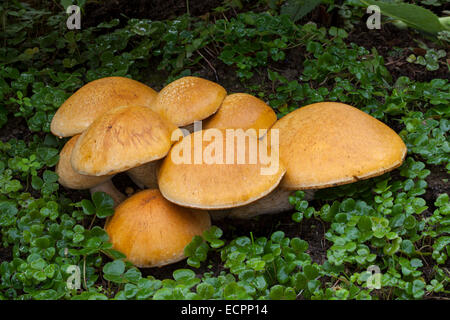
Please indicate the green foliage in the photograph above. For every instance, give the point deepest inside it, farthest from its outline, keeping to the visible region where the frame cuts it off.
(101, 205)
(429, 139)
(197, 250)
(393, 221)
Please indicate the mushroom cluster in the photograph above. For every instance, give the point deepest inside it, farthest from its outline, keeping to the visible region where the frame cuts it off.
(190, 175)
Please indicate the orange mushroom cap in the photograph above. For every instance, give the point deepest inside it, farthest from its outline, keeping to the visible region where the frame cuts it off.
(218, 183)
(68, 177)
(328, 144)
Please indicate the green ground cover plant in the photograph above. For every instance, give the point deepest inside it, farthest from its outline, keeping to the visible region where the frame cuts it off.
(399, 222)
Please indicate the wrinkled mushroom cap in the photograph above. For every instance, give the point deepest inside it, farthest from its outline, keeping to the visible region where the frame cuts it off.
(96, 97)
(68, 177)
(328, 144)
(209, 185)
(120, 139)
(152, 231)
(189, 99)
(242, 110)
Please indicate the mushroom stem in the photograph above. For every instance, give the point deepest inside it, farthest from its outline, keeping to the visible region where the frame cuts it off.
(275, 202)
(144, 176)
(109, 188)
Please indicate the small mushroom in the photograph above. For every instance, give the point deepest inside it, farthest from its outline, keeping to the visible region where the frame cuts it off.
(69, 178)
(244, 111)
(96, 97)
(328, 144)
(189, 99)
(153, 232)
(122, 138)
(213, 182)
